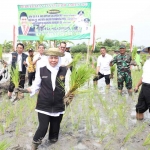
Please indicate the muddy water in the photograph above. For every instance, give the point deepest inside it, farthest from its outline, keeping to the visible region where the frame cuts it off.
(87, 125)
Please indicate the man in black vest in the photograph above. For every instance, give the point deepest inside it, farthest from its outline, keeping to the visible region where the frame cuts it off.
(18, 58)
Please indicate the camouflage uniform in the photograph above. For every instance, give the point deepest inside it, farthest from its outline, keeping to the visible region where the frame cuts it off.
(123, 70)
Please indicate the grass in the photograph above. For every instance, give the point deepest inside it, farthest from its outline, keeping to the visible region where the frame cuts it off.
(4, 145)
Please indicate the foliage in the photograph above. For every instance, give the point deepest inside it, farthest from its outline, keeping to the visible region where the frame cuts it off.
(4, 145)
(1, 51)
(79, 77)
(14, 73)
(134, 52)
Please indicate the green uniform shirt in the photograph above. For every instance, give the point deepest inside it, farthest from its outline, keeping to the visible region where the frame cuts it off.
(122, 62)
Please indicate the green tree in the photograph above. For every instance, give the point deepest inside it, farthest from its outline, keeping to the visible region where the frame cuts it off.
(7, 46)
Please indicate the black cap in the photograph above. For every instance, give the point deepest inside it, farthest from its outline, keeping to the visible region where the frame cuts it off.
(122, 46)
(86, 20)
(30, 50)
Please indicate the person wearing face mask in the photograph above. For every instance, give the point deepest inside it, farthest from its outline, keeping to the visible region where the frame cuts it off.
(143, 103)
(50, 107)
(103, 67)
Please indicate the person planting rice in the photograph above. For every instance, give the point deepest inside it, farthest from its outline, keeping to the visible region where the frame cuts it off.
(143, 103)
(103, 67)
(50, 105)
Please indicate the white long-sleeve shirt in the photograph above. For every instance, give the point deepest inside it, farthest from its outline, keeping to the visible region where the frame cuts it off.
(37, 85)
(66, 60)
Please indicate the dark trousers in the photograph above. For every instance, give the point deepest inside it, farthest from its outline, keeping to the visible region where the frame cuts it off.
(107, 78)
(31, 77)
(143, 99)
(44, 121)
(21, 82)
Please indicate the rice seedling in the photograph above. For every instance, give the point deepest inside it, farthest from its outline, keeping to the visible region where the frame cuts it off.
(4, 145)
(147, 140)
(78, 78)
(15, 76)
(136, 130)
(134, 52)
(112, 70)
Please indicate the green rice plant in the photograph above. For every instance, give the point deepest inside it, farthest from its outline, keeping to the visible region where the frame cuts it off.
(4, 145)
(135, 131)
(76, 59)
(14, 73)
(1, 52)
(134, 52)
(78, 78)
(147, 140)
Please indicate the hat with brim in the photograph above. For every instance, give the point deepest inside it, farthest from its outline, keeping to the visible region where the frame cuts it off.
(53, 52)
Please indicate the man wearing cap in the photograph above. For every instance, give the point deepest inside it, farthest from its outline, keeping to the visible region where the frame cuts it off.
(143, 103)
(123, 62)
(25, 29)
(30, 67)
(116, 52)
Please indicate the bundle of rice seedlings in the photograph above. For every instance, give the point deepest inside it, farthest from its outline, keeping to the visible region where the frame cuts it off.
(15, 76)
(79, 77)
(112, 70)
(1, 52)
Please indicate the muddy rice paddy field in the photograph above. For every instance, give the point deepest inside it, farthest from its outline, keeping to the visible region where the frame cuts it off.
(97, 119)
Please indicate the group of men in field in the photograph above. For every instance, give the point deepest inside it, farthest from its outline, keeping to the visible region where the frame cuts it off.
(122, 60)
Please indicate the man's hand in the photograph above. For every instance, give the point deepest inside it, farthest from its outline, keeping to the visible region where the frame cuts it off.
(71, 96)
(25, 63)
(136, 89)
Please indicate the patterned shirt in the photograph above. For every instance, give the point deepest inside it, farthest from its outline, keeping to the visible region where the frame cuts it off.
(122, 62)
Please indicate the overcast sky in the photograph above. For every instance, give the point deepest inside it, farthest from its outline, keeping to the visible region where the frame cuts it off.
(112, 18)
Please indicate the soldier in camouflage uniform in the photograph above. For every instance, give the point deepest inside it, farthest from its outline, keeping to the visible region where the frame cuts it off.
(123, 62)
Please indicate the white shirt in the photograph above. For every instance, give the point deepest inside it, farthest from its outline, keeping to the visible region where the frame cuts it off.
(66, 60)
(1, 72)
(19, 61)
(104, 64)
(146, 72)
(40, 63)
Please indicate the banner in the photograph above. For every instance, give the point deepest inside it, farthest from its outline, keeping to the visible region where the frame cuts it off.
(57, 21)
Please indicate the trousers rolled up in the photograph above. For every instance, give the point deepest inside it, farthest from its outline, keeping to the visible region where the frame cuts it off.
(44, 122)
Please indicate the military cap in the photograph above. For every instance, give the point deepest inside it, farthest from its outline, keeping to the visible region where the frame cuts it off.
(122, 46)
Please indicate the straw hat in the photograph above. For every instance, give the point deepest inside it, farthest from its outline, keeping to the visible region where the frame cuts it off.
(53, 51)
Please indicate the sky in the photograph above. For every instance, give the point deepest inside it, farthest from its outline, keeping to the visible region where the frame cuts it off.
(112, 18)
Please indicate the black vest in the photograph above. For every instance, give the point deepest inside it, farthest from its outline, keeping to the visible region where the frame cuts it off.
(14, 61)
(49, 100)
